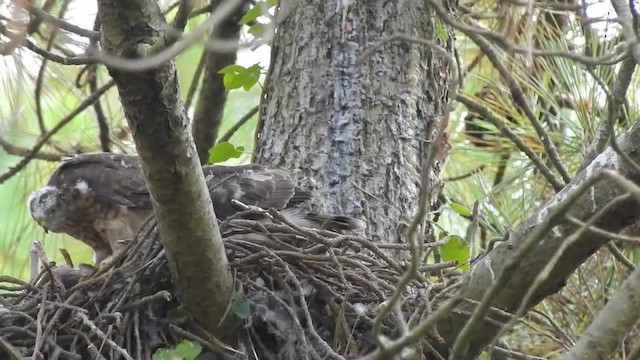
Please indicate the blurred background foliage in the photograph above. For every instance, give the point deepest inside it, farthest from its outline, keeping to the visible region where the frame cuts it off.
(568, 98)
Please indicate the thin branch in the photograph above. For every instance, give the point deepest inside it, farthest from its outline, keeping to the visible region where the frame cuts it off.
(615, 102)
(36, 148)
(617, 317)
(557, 256)
(20, 151)
(232, 130)
(39, 13)
(76, 60)
(519, 98)
(402, 37)
(172, 34)
(193, 86)
(616, 253)
(155, 60)
(488, 115)
(557, 213)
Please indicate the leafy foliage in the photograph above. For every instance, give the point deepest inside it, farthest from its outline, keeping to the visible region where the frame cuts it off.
(237, 76)
(224, 151)
(456, 249)
(185, 350)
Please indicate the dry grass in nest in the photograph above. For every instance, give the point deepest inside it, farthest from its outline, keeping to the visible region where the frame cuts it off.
(312, 294)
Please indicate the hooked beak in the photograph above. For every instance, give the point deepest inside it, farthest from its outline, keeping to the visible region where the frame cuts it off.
(43, 226)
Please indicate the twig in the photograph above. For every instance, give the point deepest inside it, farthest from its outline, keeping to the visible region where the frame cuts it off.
(620, 256)
(195, 81)
(519, 98)
(406, 38)
(554, 215)
(602, 232)
(13, 353)
(243, 120)
(150, 60)
(160, 295)
(64, 60)
(39, 320)
(58, 22)
(506, 131)
(36, 148)
(464, 176)
(20, 151)
(103, 336)
(551, 264)
(206, 344)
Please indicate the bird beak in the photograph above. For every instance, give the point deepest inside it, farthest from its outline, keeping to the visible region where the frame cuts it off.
(43, 226)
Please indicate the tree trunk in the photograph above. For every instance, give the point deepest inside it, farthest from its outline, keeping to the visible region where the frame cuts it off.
(355, 132)
(180, 198)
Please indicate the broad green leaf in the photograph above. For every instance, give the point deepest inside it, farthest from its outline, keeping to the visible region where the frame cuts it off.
(460, 209)
(242, 308)
(236, 76)
(188, 350)
(456, 249)
(257, 29)
(224, 151)
(272, 3)
(185, 350)
(256, 11)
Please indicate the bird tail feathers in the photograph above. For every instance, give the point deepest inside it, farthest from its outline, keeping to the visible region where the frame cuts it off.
(336, 223)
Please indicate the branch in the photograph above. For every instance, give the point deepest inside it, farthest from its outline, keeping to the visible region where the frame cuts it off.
(118, 60)
(31, 154)
(161, 128)
(620, 314)
(488, 115)
(20, 151)
(43, 15)
(615, 102)
(213, 95)
(509, 269)
(232, 130)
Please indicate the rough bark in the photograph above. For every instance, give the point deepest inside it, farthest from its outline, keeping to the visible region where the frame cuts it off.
(483, 274)
(356, 133)
(212, 97)
(161, 130)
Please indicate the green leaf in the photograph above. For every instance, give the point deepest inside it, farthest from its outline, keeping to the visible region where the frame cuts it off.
(460, 209)
(241, 308)
(256, 11)
(185, 350)
(257, 30)
(236, 76)
(456, 249)
(224, 151)
(272, 3)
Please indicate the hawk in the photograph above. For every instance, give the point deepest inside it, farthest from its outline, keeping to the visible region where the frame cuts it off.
(102, 199)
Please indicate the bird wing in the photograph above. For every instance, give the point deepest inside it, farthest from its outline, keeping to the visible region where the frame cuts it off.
(114, 179)
(252, 185)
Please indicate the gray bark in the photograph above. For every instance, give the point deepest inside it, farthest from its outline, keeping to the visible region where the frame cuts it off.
(481, 276)
(357, 134)
(186, 221)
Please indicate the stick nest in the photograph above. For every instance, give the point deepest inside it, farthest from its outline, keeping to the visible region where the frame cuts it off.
(303, 294)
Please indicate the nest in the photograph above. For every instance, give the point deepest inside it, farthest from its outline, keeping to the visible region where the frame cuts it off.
(309, 294)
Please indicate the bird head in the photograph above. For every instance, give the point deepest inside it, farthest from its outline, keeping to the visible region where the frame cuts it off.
(47, 208)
